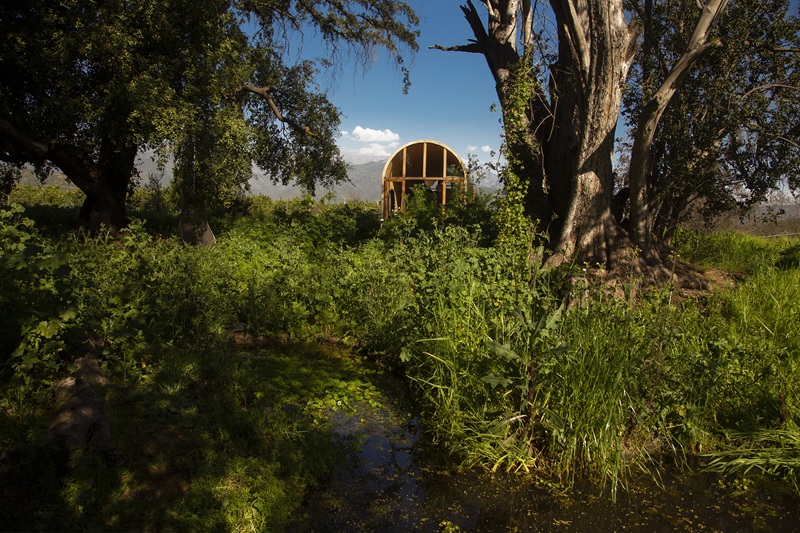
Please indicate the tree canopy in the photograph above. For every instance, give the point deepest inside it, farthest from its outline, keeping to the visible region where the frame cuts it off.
(89, 84)
(561, 74)
(730, 135)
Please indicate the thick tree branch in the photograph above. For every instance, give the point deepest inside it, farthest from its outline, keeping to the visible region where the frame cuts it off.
(577, 37)
(264, 92)
(36, 148)
(36, 151)
(527, 27)
(473, 48)
(475, 23)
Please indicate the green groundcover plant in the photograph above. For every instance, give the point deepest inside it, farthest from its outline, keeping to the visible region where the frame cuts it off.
(223, 362)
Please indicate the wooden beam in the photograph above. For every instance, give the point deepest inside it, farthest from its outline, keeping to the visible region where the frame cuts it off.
(424, 160)
(444, 175)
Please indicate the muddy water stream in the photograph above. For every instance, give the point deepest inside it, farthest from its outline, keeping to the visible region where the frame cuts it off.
(394, 481)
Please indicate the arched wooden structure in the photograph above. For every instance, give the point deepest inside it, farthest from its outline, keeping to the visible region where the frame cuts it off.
(427, 163)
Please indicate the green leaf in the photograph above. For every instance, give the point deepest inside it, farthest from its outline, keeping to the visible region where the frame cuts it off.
(503, 350)
(405, 355)
(30, 360)
(494, 381)
(20, 350)
(49, 329)
(553, 419)
(68, 314)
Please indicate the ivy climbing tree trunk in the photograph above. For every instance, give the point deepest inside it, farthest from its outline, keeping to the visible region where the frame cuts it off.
(520, 95)
(560, 141)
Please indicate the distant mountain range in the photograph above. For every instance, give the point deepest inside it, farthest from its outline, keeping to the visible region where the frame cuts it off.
(364, 183)
(363, 173)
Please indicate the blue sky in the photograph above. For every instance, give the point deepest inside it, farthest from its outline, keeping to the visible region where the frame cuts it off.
(449, 99)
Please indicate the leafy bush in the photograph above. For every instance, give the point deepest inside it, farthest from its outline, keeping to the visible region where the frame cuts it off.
(46, 195)
(422, 214)
(35, 294)
(610, 386)
(155, 313)
(505, 376)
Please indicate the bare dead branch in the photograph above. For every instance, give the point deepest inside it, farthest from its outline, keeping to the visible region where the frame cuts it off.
(475, 23)
(476, 45)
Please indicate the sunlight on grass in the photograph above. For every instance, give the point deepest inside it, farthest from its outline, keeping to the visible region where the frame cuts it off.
(226, 364)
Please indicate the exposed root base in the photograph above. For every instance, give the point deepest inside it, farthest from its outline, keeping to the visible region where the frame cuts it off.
(630, 275)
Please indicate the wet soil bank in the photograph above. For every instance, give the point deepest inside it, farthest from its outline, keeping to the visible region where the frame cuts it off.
(394, 481)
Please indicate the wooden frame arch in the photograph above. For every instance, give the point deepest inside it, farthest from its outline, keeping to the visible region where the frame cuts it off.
(424, 162)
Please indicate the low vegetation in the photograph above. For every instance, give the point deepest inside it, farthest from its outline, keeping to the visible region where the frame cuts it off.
(222, 363)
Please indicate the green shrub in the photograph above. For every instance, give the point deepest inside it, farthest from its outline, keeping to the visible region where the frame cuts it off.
(46, 195)
(422, 214)
(504, 375)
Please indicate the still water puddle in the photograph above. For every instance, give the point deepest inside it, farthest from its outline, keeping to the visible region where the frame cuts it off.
(395, 482)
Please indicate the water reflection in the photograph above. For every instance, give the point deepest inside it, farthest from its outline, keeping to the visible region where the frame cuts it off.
(394, 482)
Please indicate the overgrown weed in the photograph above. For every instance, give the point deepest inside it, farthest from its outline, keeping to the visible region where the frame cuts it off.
(205, 437)
(505, 376)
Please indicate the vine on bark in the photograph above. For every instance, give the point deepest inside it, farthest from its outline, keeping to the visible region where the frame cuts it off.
(513, 224)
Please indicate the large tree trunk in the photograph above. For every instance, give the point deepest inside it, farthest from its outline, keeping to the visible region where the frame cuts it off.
(562, 141)
(106, 189)
(596, 48)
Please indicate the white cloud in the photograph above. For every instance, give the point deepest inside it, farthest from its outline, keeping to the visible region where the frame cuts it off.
(374, 136)
(374, 149)
(471, 148)
(486, 148)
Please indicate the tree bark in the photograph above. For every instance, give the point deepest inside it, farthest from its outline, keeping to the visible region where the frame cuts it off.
(107, 189)
(596, 48)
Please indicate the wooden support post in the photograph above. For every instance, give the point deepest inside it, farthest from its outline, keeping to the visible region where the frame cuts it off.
(403, 191)
(444, 175)
(424, 160)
